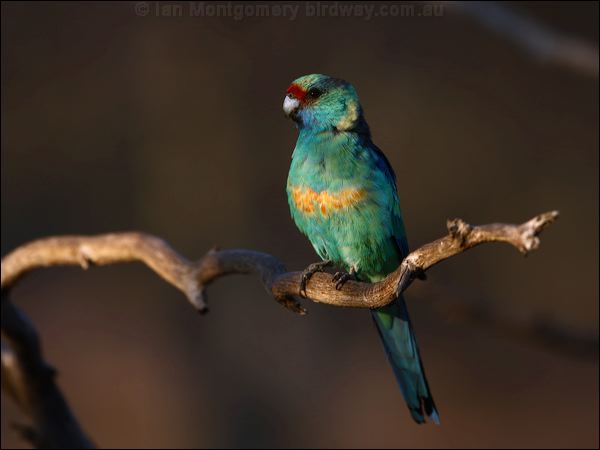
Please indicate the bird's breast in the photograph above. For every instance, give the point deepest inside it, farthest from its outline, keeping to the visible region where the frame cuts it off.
(325, 202)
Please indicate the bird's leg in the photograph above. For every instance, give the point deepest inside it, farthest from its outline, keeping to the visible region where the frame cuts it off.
(340, 278)
(309, 272)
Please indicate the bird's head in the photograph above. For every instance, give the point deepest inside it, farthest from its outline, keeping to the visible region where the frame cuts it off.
(321, 103)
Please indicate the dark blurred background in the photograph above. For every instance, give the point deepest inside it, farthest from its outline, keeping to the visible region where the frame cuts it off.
(173, 125)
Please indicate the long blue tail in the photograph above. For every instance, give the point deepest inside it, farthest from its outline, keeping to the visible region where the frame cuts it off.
(395, 329)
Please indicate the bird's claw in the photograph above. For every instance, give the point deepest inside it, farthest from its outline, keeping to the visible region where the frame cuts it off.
(340, 278)
(309, 272)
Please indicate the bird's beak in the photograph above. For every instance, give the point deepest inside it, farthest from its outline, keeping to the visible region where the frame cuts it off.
(290, 105)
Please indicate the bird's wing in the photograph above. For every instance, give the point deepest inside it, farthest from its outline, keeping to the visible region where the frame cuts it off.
(398, 232)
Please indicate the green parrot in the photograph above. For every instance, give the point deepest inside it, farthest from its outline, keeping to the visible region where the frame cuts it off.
(342, 195)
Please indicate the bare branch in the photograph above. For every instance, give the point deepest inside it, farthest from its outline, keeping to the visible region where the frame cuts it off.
(536, 329)
(193, 277)
(539, 41)
(30, 380)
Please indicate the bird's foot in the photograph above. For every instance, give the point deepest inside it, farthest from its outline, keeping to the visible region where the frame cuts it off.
(309, 272)
(340, 278)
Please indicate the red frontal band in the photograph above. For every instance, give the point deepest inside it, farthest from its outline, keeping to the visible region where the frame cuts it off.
(297, 92)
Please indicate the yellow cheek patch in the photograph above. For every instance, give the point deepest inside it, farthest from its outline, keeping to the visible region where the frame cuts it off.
(309, 201)
(350, 118)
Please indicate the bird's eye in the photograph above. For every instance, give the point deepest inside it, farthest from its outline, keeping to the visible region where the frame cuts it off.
(315, 92)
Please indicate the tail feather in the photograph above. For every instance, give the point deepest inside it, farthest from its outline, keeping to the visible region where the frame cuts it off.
(395, 329)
